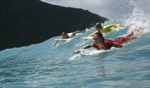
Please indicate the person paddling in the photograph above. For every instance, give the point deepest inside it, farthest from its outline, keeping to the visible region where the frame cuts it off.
(68, 35)
(101, 44)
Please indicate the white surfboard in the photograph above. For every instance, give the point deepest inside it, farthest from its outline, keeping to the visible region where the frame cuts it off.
(62, 41)
(86, 52)
(65, 40)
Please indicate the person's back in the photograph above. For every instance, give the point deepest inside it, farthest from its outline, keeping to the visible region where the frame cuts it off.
(120, 40)
(108, 44)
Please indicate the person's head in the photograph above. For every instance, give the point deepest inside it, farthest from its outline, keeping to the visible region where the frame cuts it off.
(98, 38)
(98, 26)
(64, 35)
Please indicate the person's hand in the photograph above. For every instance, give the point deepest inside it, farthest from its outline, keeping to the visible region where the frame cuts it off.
(84, 39)
(76, 51)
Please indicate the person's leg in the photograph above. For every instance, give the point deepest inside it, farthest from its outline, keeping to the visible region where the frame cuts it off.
(130, 36)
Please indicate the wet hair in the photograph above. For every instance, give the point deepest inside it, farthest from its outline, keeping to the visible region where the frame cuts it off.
(98, 25)
(100, 36)
(64, 33)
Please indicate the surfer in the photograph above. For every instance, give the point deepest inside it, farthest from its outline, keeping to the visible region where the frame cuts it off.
(102, 29)
(101, 44)
(69, 35)
(98, 27)
(107, 44)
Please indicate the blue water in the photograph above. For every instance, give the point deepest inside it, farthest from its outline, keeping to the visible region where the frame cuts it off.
(43, 66)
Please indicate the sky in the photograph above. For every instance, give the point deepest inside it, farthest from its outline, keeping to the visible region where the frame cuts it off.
(111, 9)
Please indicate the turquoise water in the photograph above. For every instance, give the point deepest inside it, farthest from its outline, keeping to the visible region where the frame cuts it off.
(43, 66)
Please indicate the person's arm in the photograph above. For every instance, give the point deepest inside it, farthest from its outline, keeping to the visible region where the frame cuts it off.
(87, 46)
(78, 31)
(74, 33)
(117, 45)
(54, 43)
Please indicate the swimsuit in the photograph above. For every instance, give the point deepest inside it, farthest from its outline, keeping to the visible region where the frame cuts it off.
(120, 40)
(107, 43)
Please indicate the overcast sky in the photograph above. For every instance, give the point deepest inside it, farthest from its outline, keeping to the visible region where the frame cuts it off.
(112, 9)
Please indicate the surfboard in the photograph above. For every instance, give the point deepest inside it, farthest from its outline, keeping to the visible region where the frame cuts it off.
(65, 40)
(86, 52)
(105, 29)
(62, 41)
(109, 28)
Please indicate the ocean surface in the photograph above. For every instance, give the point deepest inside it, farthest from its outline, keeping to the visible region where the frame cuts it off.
(43, 66)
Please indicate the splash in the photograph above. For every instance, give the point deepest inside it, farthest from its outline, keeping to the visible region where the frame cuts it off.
(139, 17)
